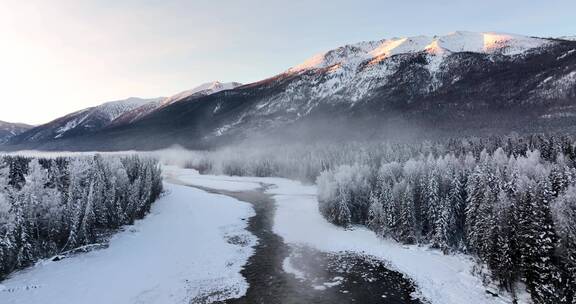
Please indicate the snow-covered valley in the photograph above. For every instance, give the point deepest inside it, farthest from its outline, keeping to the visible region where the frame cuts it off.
(194, 244)
(180, 251)
(439, 278)
(301, 152)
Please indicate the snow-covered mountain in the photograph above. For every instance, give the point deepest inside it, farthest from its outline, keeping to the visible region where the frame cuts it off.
(8, 130)
(111, 114)
(201, 90)
(83, 121)
(372, 52)
(148, 108)
(353, 72)
(462, 82)
(135, 114)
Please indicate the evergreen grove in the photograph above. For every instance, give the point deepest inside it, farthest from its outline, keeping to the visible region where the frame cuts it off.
(510, 202)
(51, 206)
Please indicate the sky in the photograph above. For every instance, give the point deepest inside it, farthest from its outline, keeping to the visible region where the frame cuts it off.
(60, 56)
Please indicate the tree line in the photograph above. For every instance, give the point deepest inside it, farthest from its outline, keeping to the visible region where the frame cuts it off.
(305, 161)
(51, 206)
(515, 214)
(508, 201)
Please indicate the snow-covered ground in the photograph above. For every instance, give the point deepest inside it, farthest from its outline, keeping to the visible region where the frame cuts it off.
(194, 244)
(442, 279)
(178, 252)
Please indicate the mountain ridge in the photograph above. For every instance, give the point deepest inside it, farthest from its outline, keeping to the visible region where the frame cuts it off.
(203, 89)
(198, 91)
(459, 83)
(110, 114)
(458, 41)
(85, 120)
(10, 129)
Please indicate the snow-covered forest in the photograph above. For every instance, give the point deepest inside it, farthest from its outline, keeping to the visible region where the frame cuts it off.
(53, 206)
(510, 202)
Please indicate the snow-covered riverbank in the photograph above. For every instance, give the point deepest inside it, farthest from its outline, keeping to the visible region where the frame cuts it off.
(442, 279)
(194, 244)
(176, 253)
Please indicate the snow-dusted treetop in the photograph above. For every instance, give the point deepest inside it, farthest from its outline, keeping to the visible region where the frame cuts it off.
(460, 41)
(203, 89)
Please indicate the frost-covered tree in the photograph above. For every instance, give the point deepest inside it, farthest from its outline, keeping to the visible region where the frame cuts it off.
(376, 215)
(405, 225)
(457, 197)
(506, 200)
(48, 206)
(564, 216)
(445, 228)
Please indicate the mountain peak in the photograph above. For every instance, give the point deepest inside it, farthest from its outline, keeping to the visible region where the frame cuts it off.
(458, 41)
(207, 88)
(214, 87)
(132, 101)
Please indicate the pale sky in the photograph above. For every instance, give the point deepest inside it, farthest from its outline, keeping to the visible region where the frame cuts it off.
(59, 56)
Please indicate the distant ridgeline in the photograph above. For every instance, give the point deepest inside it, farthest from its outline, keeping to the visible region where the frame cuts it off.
(458, 84)
(510, 202)
(55, 206)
